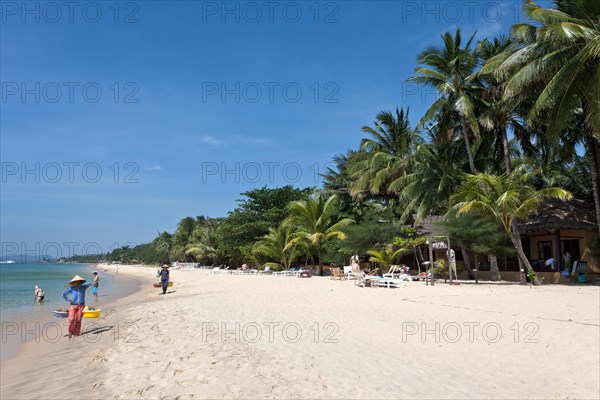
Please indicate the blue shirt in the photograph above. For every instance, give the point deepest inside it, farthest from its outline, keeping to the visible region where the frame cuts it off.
(164, 274)
(77, 294)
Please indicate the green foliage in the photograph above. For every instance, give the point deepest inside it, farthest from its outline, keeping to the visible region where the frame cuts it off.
(409, 239)
(480, 234)
(277, 248)
(386, 256)
(314, 219)
(260, 210)
(372, 232)
(440, 267)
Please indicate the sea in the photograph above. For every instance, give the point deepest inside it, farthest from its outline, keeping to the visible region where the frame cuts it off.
(18, 307)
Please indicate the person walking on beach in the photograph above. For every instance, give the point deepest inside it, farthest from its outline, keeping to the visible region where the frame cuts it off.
(164, 278)
(96, 283)
(77, 289)
(39, 294)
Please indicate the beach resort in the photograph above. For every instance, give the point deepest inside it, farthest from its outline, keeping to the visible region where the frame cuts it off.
(263, 336)
(300, 200)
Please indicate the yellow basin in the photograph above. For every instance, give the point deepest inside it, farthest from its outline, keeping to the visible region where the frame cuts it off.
(87, 313)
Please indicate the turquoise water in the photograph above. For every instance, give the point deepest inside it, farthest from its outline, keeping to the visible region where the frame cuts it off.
(18, 305)
(17, 282)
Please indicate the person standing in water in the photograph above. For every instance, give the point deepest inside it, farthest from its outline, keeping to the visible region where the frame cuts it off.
(39, 294)
(96, 283)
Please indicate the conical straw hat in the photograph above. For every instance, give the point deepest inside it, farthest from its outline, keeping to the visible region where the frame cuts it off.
(76, 278)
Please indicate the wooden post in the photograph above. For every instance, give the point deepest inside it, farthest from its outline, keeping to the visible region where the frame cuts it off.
(431, 258)
(448, 254)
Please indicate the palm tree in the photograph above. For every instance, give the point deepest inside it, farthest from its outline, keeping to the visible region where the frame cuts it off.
(435, 171)
(503, 199)
(382, 156)
(278, 245)
(498, 114)
(313, 217)
(385, 257)
(451, 71)
(201, 250)
(558, 62)
(201, 242)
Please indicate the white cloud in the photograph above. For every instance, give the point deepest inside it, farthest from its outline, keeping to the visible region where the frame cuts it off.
(211, 140)
(154, 167)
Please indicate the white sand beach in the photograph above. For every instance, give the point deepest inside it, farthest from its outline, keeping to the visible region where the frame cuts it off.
(223, 336)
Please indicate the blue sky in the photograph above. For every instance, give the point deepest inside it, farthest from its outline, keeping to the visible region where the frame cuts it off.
(119, 119)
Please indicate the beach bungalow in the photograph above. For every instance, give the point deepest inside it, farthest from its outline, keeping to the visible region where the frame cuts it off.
(558, 227)
(561, 227)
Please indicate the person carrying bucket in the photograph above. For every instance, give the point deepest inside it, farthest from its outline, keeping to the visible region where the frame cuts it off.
(77, 288)
(164, 278)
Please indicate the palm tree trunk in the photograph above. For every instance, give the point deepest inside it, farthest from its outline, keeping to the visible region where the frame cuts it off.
(465, 132)
(320, 250)
(592, 150)
(523, 258)
(517, 235)
(467, 261)
(506, 148)
(494, 271)
(420, 258)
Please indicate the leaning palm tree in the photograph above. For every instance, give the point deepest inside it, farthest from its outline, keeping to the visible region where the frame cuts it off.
(558, 63)
(450, 70)
(313, 217)
(277, 246)
(503, 199)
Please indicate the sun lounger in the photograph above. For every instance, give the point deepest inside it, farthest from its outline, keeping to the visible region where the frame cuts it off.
(336, 273)
(267, 270)
(348, 272)
(401, 276)
(213, 271)
(389, 283)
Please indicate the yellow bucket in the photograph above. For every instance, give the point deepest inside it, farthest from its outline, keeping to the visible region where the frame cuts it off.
(87, 313)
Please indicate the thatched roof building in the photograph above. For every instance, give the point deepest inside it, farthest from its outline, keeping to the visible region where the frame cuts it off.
(428, 226)
(557, 214)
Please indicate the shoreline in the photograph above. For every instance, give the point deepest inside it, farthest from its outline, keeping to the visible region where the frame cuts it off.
(38, 325)
(52, 348)
(231, 336)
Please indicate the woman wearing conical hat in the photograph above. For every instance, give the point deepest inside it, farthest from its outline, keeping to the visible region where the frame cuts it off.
(77, 289)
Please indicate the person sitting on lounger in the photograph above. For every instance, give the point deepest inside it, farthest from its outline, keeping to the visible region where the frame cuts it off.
(398, 269)
(375, 272)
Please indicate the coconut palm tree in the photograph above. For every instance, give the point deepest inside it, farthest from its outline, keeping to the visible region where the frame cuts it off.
(313, 217)
(435, 171)
(278, 246)
(450, 69)
(503, 199)
(201, 250)
(201, 242)
(385, 257)
(383, 155)
(498, 114)
(558, 62)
